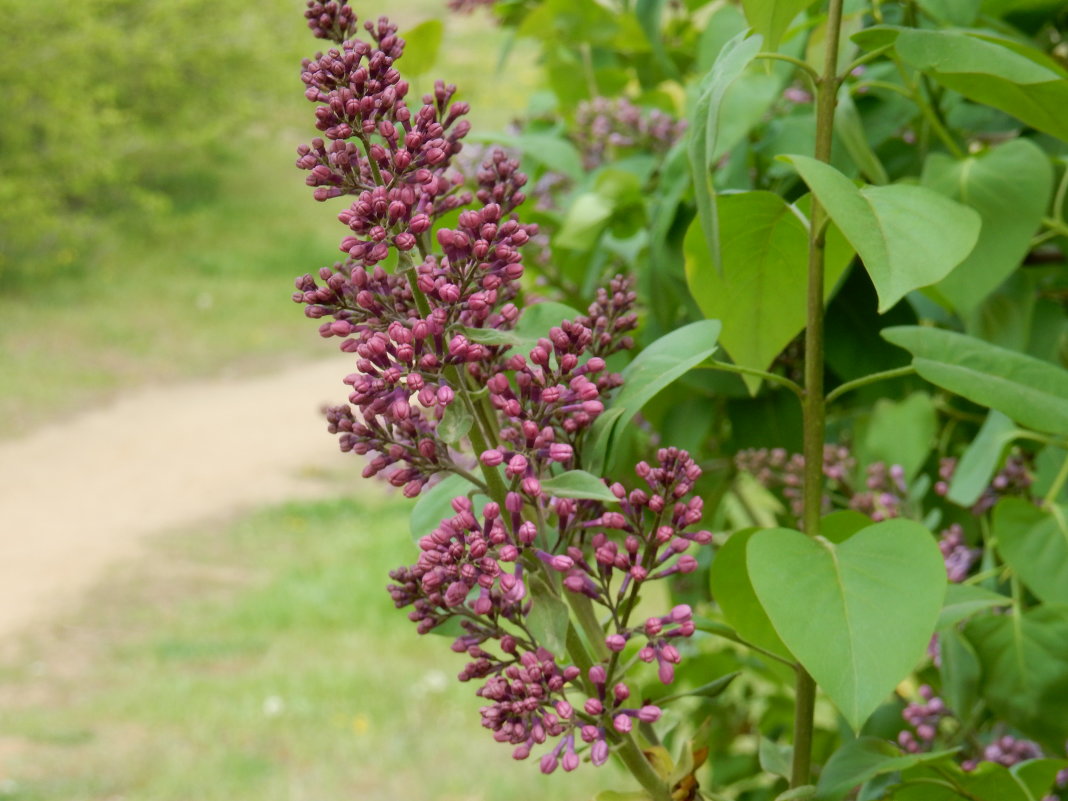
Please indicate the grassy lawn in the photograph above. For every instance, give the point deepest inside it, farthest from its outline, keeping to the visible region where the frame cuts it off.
(263, 661)
(204, 285)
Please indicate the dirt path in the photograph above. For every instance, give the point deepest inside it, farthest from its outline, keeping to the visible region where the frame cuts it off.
(80, 495)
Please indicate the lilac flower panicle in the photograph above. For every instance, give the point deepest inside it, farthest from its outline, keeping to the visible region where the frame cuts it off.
(958, 557)
(410, 302)
(1014, 479)
(606, 125)
(334, 20)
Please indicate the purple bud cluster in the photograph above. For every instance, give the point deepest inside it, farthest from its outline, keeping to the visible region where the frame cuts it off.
(884, 493)
(476, 570)
(334, 20)
(463, 567)
(1008, 751)
(604, 126)
(776, 468)
(958, 557)
(427, 311)
(1014, 479)
(924, 718)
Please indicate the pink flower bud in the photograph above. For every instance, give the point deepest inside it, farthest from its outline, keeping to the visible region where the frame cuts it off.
(615, 642)
(491, 458)
(649, 714)
(599, 752)
(621, 723)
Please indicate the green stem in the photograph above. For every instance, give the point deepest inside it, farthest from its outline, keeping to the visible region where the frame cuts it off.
(1057, 485)
(814, 411)
(642, 770)
(1058, 196)
(479, 426)
(1055, 225)
(857, 383)
(587, 619)
(864, 59)
(810, 74)
(773, 377)
(929, 114)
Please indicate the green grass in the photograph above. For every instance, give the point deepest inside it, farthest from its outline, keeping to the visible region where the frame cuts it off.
(204, 285)
(262, 662)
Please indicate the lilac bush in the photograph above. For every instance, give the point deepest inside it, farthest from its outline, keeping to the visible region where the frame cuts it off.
(859, 541)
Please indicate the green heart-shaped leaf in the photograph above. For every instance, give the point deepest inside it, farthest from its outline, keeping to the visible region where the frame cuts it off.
(889, 225)
(858, 615)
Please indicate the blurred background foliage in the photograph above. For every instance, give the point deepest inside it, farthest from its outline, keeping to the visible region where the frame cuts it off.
(151, 218)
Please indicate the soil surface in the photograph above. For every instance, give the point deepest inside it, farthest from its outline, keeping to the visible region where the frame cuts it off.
(81, 494)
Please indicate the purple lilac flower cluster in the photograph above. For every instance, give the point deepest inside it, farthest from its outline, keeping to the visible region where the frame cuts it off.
(956, 553)
(926, 716)
(408, 326)
(604, 126)
(334, 20)
(884, 492)
(1014, 479)
(778, 469)
(477, 570)
(418, 330)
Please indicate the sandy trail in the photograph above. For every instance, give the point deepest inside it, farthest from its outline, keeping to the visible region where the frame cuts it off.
(82, 494)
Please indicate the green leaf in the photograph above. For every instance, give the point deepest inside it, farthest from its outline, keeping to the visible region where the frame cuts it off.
(733, 591)
(421, 48)
(1038, 775)
(771, 18)
(713, 689)
(989, 781)
(548, 619)
(841, 525)
(889, 226)
(1034, 542)
(578, 484)
(961, 671)
(657, 366)
(759, 292)
(1024, 681)
(616, 795)
(902, 433)
(435, 505)
(649, 13)
(548, 150)
(491, 336)
(964, 600)
(858, 615)
(585, 221)
(994, 71)
(1010, 187)
(455, 423)
(952, 12)
(980, 459)
(865, 758)
(774, 758)
(1032, 392)
(850, 130)
(704, 127)
(802, 793)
